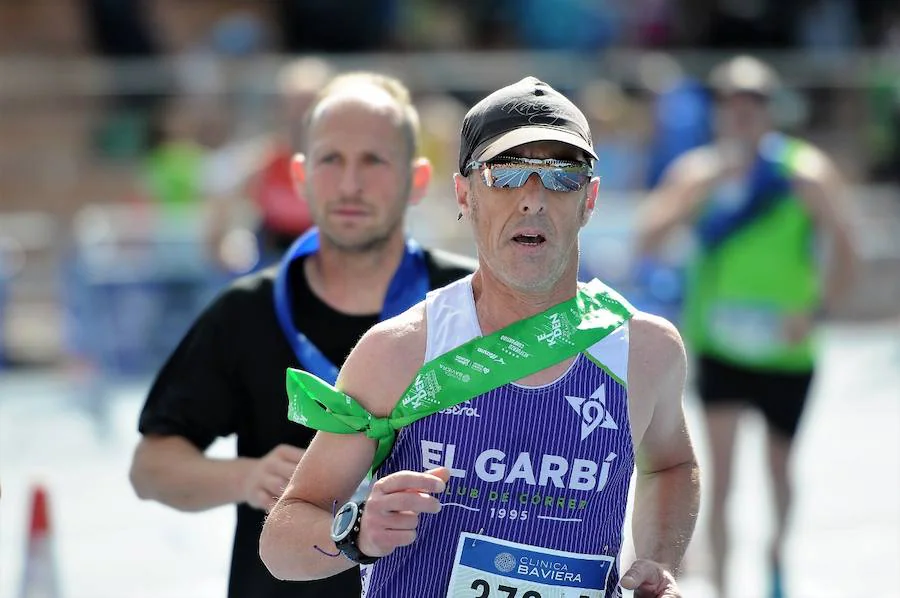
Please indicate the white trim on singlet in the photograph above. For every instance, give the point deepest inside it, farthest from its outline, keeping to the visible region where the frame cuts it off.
(451, 321)
(612, 352)
(450, 318)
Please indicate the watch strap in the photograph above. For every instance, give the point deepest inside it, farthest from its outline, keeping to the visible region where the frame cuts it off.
(349, 546)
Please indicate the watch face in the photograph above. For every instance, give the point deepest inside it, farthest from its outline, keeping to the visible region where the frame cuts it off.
(343, 521)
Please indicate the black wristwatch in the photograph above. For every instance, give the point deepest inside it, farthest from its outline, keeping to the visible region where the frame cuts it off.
(345, 532)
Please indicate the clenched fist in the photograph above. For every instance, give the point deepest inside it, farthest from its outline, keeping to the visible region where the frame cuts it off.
(269, 476)
(649, 579)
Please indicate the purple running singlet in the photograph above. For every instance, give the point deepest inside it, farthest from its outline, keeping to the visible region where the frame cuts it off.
(536, 502)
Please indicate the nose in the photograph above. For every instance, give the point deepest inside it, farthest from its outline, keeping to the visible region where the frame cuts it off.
(350, 183)
(533, 195)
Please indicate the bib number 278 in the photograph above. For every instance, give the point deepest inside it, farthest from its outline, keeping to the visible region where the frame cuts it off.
(483, 590)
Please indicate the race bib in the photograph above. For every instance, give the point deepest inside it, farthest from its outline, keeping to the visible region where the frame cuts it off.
(751, 331)
(490, 568)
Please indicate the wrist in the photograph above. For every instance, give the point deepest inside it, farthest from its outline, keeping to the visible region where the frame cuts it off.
(346, 530)
(242, 471)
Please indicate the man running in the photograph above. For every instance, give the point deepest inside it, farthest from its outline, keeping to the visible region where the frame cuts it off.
(522, 488)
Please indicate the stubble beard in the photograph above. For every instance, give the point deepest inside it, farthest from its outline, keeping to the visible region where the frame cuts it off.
(371, 244)
(538, 284)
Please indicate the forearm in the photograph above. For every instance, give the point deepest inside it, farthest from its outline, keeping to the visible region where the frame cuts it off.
(295, 540)
(662, 213)
(840, 275)
(175, 473)
(665, 512)
(654, 229)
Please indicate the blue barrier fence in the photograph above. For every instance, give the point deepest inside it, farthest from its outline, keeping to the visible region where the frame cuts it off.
(129, 298)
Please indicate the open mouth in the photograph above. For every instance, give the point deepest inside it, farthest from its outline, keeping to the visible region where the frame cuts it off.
(530, 240)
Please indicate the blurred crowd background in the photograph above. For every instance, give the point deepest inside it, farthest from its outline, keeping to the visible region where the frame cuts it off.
(135, 134)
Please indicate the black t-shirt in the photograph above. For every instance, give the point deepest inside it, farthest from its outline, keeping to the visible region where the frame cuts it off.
(227, 376)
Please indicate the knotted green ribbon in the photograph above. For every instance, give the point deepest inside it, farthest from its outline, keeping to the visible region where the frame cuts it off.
(471, 369)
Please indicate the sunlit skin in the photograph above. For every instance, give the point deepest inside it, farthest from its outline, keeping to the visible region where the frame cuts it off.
(527, 238)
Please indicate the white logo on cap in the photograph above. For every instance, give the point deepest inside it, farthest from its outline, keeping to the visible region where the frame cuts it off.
(538, 112)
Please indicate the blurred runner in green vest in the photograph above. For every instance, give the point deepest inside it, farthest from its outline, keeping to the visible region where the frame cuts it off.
(773, 255)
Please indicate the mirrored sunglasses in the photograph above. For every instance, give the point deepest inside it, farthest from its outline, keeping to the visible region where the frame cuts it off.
(510, 172)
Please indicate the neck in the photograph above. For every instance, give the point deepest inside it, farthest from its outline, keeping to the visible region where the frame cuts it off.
(498, 305)
(750, 141)
(738, 153)
(354, 282)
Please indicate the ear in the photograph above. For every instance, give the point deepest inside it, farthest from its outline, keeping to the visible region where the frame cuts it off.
(298, 174)
(421, 178)
(461, 186)
(593, 190)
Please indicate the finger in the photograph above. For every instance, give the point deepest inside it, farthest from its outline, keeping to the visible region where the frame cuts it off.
(388, 539)
(274, 485)
(289, 452)
(410, 501)
(262, 500)
(401, 521)
(440, 472)
(415, 502)
(403, 481)
(668, 592)
(640, 573)
(283, 469)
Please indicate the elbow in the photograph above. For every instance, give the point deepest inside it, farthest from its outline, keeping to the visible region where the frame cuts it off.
(268, 553)
(146, 473)
(277, 557)
(275, 567)
(140, 479)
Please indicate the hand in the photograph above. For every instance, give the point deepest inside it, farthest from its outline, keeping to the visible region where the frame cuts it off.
(392, 509)
(797, 327)
(269, 475)
(649, 579)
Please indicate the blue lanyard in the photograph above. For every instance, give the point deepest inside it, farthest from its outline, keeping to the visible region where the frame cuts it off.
(408, 287)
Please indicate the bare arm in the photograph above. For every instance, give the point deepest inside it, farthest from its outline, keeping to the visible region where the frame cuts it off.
(675, 200)
(667, 492)
(171, 470)
(297, 530)
(332, 469)
(823, 191)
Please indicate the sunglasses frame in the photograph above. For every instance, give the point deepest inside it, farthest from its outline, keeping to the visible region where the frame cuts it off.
(537, 165)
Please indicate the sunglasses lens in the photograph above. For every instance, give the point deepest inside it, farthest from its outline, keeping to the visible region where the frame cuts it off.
(560, 179)
(509, 176)
(513, 176)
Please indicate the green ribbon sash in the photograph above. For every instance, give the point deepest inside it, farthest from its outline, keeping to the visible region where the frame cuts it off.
(471, 369)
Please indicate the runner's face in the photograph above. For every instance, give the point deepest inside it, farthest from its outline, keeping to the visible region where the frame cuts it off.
(743, 116)
(528, 236)
(357, 171)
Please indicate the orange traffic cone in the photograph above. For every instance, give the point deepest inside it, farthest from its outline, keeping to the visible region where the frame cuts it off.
(39, 577)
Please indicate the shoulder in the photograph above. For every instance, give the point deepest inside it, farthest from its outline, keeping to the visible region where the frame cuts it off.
(810, 164)
(656, 349)
(385, 360)
(657, 368)
(445, 267)
(695, 166)
(249, 289)
(247, 299)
